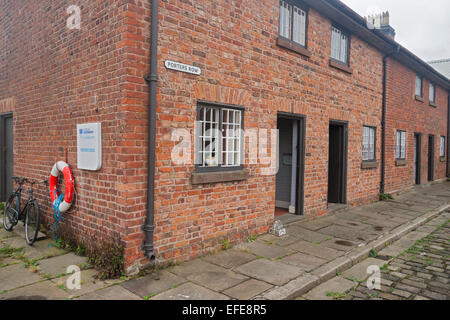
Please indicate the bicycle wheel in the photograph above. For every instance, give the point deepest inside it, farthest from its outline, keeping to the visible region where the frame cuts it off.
(32, 222)
(10, 214)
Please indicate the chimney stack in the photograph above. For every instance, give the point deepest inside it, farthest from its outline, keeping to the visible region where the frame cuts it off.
(381, 22)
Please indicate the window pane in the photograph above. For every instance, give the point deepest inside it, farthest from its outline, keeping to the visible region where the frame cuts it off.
(431, 92)
(299, 29)
(231, 137)
(335, 43)
(285, 20)
(208, 142)
(344, 40)
(368, 143)
(418, 86)
(442, 148)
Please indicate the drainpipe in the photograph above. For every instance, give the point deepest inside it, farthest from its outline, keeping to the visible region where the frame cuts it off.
(383, 121)
(448, 133)
(152, 78)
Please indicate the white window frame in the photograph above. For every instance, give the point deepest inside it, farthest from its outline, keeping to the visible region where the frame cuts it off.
(219, 137)
(340, 45)
(369, 141)
(293, 22)
(400, 145)
(442, 147)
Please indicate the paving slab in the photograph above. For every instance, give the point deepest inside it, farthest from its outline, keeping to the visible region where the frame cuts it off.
(319, 223)
(44, 290)
(415, 235)
(351, 224)
(316, 250)
(16, 276)
(266, 250)
(273, 272)
(230, 258)
(208, 275)
(190, 291)
(248, 289)
(359, 270)
(42, 249)
(58, 265)
(115, 292)
(303, 261)
(335, 285)
(309, 235)
(348, 233)
(88, 283)
(152, 284)
(391, 251)
(340, 244)
(404, 243)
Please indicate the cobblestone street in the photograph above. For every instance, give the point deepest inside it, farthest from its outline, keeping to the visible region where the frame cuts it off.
(418, 273)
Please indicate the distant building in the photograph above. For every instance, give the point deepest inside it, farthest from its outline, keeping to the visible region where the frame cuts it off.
(443, 66)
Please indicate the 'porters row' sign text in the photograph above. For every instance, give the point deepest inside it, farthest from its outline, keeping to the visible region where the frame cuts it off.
(172, 65)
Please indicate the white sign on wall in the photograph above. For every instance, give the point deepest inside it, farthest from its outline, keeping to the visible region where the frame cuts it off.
(89, 145)
(177, 66)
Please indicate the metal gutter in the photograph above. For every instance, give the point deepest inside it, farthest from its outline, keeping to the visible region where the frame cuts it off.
(152, 78)
(349, 19)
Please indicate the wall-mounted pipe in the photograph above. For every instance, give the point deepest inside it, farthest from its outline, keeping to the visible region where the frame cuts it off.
(448, 133)
(152, 79)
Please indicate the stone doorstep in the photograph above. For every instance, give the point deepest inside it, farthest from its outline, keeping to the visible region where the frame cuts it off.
(304, 283)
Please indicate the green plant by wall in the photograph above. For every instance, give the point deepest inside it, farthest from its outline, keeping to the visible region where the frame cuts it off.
(386, 196)
(107, 258)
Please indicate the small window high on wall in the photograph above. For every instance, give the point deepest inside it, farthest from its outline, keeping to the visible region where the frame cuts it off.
(339, 45)
(293, 22)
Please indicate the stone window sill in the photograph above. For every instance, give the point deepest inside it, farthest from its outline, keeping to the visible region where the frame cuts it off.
(220, 176)
(290, 45)
(369, 165)
(401, 163)
(419, 98)
(341, 66)
(432, 104)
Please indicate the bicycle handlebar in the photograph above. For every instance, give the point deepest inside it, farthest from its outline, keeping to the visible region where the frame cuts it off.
(21, 181)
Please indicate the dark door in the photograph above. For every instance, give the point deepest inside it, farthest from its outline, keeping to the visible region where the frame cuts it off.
(431, 157)
(337, 158)
(6, 158)
(417, 157)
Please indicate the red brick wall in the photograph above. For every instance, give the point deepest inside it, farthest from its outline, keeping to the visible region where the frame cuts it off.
(235, 45)
(58, 78)
(404, 112)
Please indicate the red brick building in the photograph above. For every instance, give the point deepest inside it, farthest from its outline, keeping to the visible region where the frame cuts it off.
(312, 69)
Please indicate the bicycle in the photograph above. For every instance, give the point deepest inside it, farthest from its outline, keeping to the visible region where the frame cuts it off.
(29, 214)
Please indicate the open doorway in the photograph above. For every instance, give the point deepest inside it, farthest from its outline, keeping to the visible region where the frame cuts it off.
(417, 157)
(6, 155)
(337, 163)
(290, 156)
(430, 157)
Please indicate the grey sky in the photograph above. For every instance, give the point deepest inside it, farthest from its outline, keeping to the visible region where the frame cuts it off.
(422, 27)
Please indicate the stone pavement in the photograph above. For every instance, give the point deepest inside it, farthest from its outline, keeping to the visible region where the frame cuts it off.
(311, 254)
(413, 268)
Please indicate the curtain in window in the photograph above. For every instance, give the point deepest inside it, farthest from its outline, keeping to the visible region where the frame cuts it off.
(285, 20)
(418, 86)
(299, 28)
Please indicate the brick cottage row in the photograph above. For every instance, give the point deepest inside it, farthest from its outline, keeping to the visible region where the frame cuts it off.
(357, 114)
